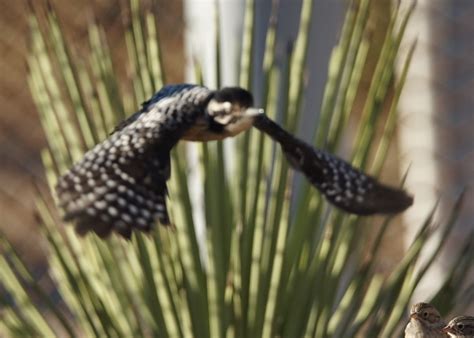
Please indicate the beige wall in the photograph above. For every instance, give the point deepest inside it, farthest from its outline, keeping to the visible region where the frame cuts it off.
(437, 119)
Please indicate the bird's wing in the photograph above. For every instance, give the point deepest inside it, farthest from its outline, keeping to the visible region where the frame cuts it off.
(166, 91)
(341, 184)
(121, 183)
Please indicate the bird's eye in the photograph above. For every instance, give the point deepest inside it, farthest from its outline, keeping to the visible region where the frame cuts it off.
(425, 314)
(460, 326)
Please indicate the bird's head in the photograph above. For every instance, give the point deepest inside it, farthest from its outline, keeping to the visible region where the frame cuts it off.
(231, 109)
(461, 326)
(425, 313)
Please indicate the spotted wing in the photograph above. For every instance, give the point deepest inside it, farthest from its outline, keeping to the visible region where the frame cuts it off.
(120, 184)
(166, 91)
(341, 184)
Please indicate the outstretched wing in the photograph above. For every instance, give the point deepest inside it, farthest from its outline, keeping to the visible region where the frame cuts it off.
(341, 184)
(120, 184)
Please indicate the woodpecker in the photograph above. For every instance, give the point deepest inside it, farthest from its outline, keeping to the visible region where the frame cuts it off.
(120, 184)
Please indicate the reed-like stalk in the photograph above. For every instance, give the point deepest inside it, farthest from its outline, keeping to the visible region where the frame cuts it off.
(273, 265)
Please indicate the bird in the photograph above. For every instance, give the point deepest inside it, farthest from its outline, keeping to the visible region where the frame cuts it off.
(460, 327)
(120, 184)
(425, 322)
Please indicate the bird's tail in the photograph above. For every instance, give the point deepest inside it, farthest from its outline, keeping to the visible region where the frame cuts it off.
(341, 184)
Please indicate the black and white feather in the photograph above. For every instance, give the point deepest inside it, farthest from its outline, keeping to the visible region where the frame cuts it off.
(120, 184)
(344, 186)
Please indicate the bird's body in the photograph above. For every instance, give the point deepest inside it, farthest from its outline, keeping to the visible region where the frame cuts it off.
(460, 327)
(425, 322)
(120, 184)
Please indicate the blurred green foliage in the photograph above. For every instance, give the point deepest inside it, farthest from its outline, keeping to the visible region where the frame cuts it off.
(262, 270)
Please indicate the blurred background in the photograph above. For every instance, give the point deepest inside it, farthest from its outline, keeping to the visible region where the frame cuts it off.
(436, 119)
(21, 136)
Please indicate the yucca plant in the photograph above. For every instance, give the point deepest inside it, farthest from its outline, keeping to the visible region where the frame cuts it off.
(271, 264)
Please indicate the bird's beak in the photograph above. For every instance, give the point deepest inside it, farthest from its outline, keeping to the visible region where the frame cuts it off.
(250, 112)
(446, 329)
(413, 316)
